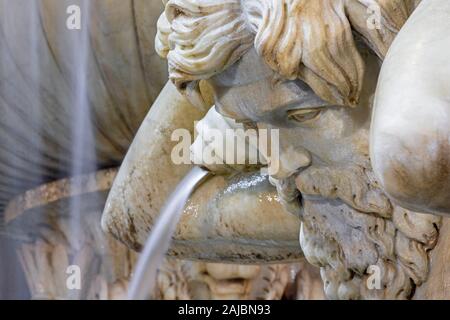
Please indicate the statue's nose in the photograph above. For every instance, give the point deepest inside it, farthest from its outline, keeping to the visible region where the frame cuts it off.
(290, 161)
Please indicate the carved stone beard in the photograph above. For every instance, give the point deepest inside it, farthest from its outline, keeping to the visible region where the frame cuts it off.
(352, 231)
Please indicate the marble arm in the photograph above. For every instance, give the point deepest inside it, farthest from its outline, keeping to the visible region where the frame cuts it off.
(410, 132)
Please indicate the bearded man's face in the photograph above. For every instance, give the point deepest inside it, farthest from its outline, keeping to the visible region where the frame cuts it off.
(324, 174)
(323, 148)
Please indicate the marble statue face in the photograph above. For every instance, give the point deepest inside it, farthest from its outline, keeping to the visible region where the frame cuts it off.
(307, 74)
(313, 133)
(222, 281)
(183, 279)
(325, 176)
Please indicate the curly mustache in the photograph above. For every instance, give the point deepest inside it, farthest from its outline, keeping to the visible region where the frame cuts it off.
(355, 185)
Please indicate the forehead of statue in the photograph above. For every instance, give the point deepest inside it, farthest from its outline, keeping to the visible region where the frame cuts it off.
(248, 69)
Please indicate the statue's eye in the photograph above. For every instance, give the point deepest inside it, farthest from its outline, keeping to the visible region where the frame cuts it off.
(304, 115)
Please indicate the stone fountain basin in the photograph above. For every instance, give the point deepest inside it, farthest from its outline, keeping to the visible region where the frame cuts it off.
(53, 199)
(47, 243)
(51, 234)
(228, 218)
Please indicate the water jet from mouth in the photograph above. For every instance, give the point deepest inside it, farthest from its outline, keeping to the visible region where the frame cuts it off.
(158, 242)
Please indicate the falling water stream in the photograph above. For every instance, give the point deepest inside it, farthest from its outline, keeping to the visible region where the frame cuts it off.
(151, 258)
(76, 46)
(82, 131)
(26, 72)
(82, 136)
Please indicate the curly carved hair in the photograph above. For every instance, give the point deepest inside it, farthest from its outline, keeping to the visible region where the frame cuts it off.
(312, 40)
